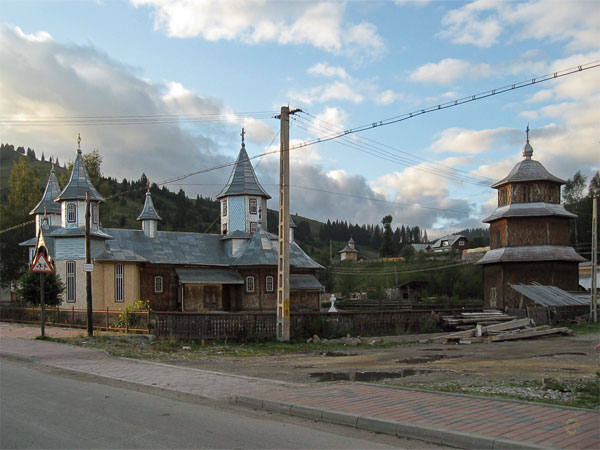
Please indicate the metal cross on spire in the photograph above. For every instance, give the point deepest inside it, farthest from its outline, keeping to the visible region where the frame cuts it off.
(527, 132)
(78, 143)
(243, 134)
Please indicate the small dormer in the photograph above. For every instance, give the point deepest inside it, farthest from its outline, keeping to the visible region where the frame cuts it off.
(149, 217)
(243, 199)
(72, 197)
(47, 212)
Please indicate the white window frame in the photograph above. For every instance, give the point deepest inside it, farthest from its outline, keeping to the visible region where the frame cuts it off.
(224, 207)
(95, 213)
(250, 285)
(252, 206)
(158, 284)
(71, 282)
(269, 285)
(119, 283)
(71, 213)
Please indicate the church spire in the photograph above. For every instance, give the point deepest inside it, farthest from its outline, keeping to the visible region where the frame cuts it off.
(528, 149)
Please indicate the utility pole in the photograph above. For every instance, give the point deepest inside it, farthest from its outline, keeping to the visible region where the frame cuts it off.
(283, 261)
(88, 275)
(42, 306)
(594, 303)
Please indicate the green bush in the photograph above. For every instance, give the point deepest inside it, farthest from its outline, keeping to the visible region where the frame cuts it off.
(29, 288)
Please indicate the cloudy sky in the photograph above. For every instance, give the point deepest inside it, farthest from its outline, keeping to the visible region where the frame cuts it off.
(163, 87)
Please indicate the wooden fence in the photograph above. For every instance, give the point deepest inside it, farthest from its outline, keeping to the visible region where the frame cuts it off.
(262, 325)
(77, 318)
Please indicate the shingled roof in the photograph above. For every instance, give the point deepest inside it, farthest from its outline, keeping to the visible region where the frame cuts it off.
(536, 209)
(531, 253)
(528, 170)
(47, 203)
(149, 212)
(79, 183)
(243, 180)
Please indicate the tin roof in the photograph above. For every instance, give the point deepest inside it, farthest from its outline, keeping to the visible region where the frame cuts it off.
(536, 209)
(47, 203)
(169, 247)
(188, 275)
(451, 238)
(305, 282)
(348, 249)
(261, 250)
(531, 253)
(549, 295)
(79, 183)
(243, 180)
(149, 212)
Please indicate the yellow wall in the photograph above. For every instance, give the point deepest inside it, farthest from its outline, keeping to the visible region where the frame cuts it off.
(131, 278)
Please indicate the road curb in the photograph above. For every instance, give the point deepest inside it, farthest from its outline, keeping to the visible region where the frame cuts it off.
(378, 425)
(16, 356)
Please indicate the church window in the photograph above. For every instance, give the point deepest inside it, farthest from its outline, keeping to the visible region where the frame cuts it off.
(269, 283)
(158, 284)
(71, 213)
(252, 206)
(119, 283)
(95, 213)
(224, 207)
(250, 284)
(71, 281)
(252, 227)
(493, 297)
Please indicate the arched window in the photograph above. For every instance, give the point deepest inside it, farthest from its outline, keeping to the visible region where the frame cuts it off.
(158, 284)
(224, 207)
(269, 283)
(250, 284)
(95, 213)
(71, 213)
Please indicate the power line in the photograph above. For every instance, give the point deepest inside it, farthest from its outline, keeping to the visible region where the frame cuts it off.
(451, 104)
(371, 149)
(392, 272)
(131, 119)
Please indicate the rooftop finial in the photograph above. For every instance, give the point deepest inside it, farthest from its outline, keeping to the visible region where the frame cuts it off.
(148, 186)
(243, 134)
(528, 149)
(51, 164)
(78, 143)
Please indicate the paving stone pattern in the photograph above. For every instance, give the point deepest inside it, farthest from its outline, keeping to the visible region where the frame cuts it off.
(543, 425)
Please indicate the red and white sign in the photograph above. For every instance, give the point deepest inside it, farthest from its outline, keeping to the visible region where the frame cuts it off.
(41, 265)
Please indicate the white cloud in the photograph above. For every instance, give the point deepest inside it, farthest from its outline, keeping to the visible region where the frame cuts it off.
(449, 70)
(482, 22)
(321, 25)
(338, 90)
(331, 120)
(463, 141)
(388, 97)
(326, 70)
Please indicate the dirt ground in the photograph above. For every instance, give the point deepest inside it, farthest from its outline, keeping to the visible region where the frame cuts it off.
(413, 364)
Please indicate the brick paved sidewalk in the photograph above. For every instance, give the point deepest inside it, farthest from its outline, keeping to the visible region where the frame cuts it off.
(453, 419)
(212, 385)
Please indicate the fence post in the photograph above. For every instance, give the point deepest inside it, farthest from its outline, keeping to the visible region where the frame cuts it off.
(58, 315)
(107, 318)
(73, 315)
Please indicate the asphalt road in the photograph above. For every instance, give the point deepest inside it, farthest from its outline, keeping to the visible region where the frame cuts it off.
(47, 408)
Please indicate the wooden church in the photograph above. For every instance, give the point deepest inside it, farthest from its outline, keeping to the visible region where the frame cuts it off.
(529, 235)
(175, 271)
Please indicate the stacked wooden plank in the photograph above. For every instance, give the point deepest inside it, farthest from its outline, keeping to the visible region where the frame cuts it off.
(512, 329)
(467, 320)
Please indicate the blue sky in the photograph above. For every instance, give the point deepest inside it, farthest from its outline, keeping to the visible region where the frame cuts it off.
(345, 64)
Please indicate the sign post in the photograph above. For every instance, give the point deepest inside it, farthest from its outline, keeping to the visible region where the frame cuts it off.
(42, 266)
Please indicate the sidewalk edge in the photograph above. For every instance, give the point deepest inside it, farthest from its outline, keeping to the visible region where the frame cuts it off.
(379, 425)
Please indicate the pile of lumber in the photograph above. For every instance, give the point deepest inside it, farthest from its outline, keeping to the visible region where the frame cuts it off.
(467, 320)
(503, 331)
